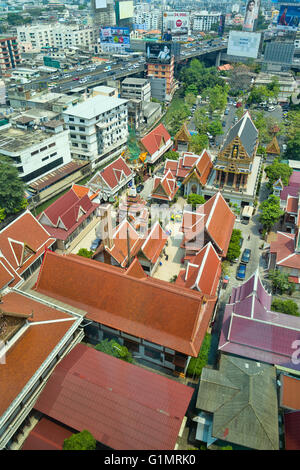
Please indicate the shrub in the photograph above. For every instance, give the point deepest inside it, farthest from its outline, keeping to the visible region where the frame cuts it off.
(196, 364)
(80, 441)
(285, 306)
(84, 252)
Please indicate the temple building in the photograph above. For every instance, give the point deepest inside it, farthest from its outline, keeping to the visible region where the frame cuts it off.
(236, 168)
(182, 139)
(234, 161)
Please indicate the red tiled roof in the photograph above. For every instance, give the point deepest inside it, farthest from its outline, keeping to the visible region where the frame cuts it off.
(124, 406)
(292, 205)
(46, 435)
(113, 173)
(81, 191)
(172, 166)
(204, 166)
(66, 211)
(284, 248)
(219, 221)
(292, 430)
(23, 230)
(136, 270)
(32, 348)
(203, 271)
(290, 397)
(143, 308)
(165, 188)
(152, 141)
(154, 243)
(7, 274)
(119, 250)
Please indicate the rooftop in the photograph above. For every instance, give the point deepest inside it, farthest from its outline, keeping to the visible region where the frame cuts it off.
(134, 81)
(123, 405)
(33, 347)
(148, 309)
(92, 107)
(13, 139)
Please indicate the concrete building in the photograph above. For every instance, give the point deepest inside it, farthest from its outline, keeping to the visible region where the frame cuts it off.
(203, 20)
(98, 129)
(103, 16)
(165, 71)
(58, 35)
(286, 81)
(10, 56)
(35, 152)
(136, 88)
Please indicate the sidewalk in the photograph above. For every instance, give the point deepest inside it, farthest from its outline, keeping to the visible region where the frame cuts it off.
(171, 268)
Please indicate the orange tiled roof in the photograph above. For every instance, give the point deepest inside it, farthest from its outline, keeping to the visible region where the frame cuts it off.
(292, 205)
(154, 243)
(23, 232)
(284, 248)
(152, 141)
(32, 348)
(145, 308)
(290, 397)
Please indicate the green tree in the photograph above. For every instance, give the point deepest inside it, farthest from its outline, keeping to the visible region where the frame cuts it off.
(201, 121)
(80, 441)
(195, 199)
(85, 253)
(2, 214)
(274, 87)
(113, 348)
(280, 282)
(259, 94)
(215, 128)
(278, 170)
(196, 364)
(191, 90)
(12, 188)
(171, 155)
(285, 306)
(234, 249)
(198, 143)
(270, 212)
(218, 97)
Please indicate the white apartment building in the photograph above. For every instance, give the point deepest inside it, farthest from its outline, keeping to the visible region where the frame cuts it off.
(61, 36)
(151, 19)
(35, 152)
(203, 20)
(98, 128)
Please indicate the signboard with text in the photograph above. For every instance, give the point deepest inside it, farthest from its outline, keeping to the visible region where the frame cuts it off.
(176, 21)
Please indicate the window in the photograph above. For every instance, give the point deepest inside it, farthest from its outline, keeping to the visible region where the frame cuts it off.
(82, 129)
(82, 120)
(51, 145)
(45, 158)
(72, 128)
(35, 152)
(43, 148)
(84, 146)
(53, 154)
(83, 137)
(73, 136)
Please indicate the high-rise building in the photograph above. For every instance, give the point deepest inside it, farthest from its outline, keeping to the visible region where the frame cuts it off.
(103, 13)
(10, 56)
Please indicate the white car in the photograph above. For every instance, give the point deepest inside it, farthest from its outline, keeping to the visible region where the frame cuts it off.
(271, 108)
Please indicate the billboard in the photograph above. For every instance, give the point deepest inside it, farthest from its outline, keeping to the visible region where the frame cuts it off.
(114, 39)
(177, 21)
(243, 44)
(125, 9)
(251, 15)
(288, 18)
(100, 4)
(279, 52)
(158, 52)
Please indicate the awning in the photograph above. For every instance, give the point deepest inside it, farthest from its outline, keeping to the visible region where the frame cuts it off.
(247, 211)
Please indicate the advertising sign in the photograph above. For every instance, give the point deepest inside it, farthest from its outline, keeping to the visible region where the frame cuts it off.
(243, 44)
(176, 21)
(125, 9)
(100, 4)
(251, 16)
(158, 53)
(114, 39)
(288, 18)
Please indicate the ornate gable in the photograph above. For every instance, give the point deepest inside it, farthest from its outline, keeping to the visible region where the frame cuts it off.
(273, 147)
(183, 134)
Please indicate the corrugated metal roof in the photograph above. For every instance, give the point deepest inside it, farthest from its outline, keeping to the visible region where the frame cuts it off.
(124, 406)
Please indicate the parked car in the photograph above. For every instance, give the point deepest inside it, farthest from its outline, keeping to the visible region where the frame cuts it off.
(76, 78)
(139, 188)
(95, 243)
(226, 111)
(241, 272)
(271, 108)
(246, 255)
(223, 123)
(241, 241)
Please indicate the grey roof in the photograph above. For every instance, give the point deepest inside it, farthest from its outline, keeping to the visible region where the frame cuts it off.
(247, 133)
(134, 81)
(243, 399)
(94, 106)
